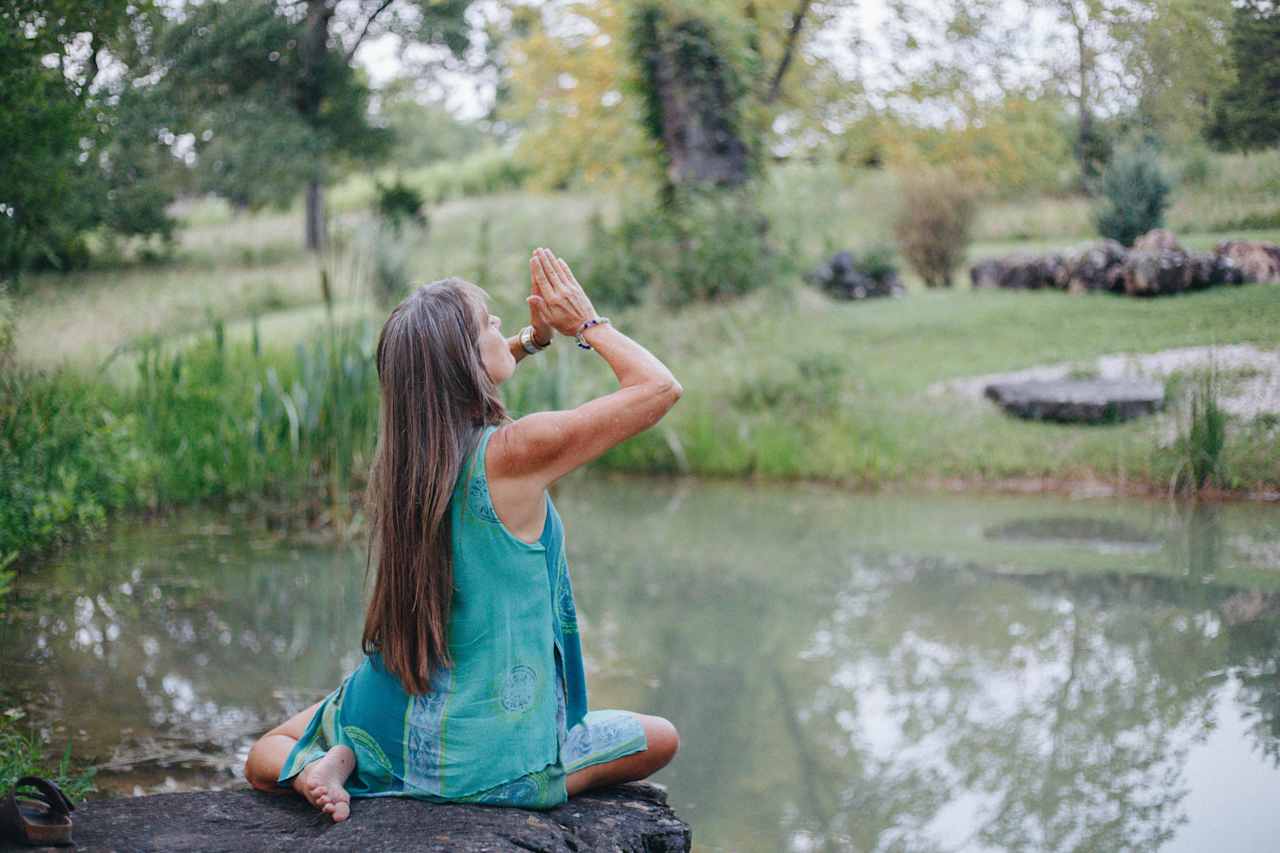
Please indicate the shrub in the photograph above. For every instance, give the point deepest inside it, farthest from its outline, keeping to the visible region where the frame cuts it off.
(1134, 193)
(934, 225)
(707, 245)
(1202, 438)
(399, 204)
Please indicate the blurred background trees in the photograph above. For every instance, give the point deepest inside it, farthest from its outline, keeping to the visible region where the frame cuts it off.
(113, 110)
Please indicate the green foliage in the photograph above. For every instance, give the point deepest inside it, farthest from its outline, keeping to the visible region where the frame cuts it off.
(70, 163)
(934, 225)
(211, 422)
(399, 204)
(711, 245)
(1198, 166)
(1134, 193)
(1247, 114)
(266, 118)
(1202, 438)
(66, 457)
(26, 754)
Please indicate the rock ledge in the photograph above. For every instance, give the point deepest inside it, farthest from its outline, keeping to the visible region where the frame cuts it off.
(632, 817)
(1079, 400)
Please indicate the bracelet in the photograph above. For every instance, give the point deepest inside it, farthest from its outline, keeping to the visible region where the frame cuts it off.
(531, 346)
(598, 321)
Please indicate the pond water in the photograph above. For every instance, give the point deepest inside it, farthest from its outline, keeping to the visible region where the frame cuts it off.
(847, 672)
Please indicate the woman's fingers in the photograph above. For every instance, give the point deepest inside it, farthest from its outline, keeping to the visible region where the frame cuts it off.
(549, 267)
(566, 272)
(541, 285)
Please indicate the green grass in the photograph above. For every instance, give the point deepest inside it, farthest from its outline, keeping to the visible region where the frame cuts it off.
(24, 753)
(878, 424)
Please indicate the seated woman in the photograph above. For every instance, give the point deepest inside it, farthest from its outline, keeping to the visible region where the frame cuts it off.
(472, 688)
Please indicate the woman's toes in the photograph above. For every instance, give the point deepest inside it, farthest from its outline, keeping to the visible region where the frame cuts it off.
(341, 811)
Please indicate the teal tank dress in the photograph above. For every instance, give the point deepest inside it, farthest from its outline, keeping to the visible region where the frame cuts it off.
(508, 721)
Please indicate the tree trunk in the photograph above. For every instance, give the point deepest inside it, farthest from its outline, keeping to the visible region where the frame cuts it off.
(697, 97)
(1085, 148)
(310, 96)
(315, 216)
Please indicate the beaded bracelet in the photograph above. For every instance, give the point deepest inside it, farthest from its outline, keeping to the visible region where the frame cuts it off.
(587, 325)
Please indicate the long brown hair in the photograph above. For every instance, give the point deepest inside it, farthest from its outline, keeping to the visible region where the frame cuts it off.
(436, 396)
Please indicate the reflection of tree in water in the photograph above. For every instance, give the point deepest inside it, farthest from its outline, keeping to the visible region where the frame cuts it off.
(914, 704)
(181, 643)
(1253, 620)
(1059, 712)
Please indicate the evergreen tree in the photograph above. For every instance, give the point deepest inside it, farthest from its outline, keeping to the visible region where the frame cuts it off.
(1247, 115)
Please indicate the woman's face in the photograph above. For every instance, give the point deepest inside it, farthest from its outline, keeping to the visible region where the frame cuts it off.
(497, 357)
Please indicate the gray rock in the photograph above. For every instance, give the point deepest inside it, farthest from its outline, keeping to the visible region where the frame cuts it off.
(1021, 272)
(632, 817)
(840, 278)
(1096, 266)
(1078, 400)
(1157, 240)
(1256, 261)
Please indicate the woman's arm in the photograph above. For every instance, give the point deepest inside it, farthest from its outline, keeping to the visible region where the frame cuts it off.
(540, 448)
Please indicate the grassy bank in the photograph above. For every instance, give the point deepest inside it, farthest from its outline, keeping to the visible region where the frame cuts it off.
(212, 421)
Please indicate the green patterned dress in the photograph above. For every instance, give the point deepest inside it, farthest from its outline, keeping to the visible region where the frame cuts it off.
(509, 721)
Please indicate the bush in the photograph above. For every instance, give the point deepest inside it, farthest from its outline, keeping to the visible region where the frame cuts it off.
(934, 225)
(1134, 196)
(65, 459)
(399, 204)
(708, 245)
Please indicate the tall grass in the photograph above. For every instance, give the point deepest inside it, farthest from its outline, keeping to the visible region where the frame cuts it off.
(207, 423)
(1202, 438)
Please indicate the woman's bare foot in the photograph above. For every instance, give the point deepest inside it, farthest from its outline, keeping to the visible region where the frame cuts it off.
(322, 782)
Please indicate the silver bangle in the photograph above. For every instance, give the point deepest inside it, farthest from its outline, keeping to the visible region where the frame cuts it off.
(531, 346)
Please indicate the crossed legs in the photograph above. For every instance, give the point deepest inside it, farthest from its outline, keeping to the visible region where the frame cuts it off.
(321, 783)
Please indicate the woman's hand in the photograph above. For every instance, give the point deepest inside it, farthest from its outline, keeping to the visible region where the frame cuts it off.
(542, 330)
(558, 300)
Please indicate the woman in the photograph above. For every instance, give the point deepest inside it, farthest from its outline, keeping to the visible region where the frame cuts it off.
(472, 689)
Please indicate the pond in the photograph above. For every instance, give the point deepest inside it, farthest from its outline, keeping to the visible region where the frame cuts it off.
(848, 672)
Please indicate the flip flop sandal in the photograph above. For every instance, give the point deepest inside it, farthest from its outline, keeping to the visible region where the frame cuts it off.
(37, 822)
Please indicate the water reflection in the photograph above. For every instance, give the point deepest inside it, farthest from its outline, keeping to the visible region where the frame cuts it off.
(848, 673)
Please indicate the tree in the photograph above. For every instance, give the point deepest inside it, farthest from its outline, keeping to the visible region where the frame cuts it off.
(572, 85)
(72, 161)
(1247, 115)
(692, 99)
(270, 97)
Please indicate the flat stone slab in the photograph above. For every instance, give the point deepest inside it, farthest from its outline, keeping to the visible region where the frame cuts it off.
(1078, 400)
(627, 818)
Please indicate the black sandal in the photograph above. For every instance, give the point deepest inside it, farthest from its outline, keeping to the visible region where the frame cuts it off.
(37, 822)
